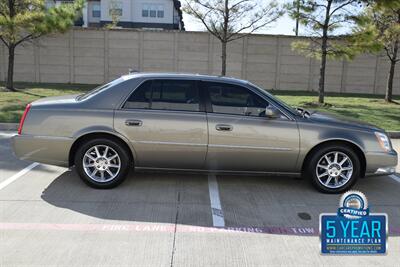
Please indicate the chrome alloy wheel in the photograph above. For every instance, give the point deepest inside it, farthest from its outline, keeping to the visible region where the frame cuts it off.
(101, 163)
(334, 169)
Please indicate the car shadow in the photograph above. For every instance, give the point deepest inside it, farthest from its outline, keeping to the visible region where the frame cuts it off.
(247, 201)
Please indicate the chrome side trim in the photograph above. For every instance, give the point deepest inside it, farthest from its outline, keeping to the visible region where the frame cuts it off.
(252, 147)
(215, 146)
(168, 143)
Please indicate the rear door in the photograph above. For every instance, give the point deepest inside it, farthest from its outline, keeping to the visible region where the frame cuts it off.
(241, 138)
(166, 124)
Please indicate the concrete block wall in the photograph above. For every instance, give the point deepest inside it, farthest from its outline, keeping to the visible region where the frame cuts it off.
(96, 56)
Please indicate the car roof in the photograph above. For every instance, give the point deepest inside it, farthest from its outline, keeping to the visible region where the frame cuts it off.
(182, 76)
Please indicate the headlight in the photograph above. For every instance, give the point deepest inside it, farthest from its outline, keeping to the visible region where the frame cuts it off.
(383, 141)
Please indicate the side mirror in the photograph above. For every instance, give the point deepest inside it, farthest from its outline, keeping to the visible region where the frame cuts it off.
(272, 112)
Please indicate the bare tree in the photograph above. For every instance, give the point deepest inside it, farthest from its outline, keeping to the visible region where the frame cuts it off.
(229, 20)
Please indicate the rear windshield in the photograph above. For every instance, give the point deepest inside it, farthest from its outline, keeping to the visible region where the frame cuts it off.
(99, 89)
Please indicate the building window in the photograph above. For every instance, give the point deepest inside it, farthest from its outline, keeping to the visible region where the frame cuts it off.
(145, 10)
(96, 11)
(152, 11)
(160, 11)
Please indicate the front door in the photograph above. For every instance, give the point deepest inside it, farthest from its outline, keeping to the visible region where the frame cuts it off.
(242, 138)
(165, 124)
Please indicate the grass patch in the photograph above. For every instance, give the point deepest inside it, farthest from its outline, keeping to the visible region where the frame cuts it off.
(364, 107)
(12, 104)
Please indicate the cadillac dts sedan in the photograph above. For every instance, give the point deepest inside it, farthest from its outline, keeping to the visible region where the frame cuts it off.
(197, 123)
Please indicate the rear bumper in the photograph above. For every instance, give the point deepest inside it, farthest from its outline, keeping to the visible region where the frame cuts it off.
(44, 149)
(380, 163)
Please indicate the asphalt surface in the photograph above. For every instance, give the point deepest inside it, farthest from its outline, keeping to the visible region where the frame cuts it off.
(49, 217)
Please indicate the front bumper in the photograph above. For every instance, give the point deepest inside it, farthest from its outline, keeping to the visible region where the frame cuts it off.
(381, 163)
(44, 149)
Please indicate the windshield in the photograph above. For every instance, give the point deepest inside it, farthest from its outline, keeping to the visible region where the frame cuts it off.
(288, 108)
(98, 89)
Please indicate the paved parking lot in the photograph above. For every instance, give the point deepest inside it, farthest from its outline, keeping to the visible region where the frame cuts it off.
(49, 217)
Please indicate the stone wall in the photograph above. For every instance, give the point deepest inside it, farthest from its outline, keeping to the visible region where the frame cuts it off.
(95, 56)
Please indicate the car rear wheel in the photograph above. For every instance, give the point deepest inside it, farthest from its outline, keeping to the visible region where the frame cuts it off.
(333, 168)
(102, 163)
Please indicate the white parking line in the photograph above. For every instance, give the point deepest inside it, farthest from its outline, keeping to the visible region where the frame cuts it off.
(5, 134)
(395, 177)
(216, 210)
(18, 175)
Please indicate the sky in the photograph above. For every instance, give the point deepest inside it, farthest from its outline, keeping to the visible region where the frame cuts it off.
(285, 25)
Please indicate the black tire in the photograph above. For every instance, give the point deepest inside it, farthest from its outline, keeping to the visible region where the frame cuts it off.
(124, 161)
(311, 168)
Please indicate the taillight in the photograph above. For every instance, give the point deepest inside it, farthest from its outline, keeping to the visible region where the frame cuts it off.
(21, 123)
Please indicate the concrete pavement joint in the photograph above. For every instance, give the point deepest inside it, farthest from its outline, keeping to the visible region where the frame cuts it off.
(216, 210)
(175, 229)
(18, 175)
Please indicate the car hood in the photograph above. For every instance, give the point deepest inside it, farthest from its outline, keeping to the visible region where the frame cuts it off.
(341, 121)
(55, 100)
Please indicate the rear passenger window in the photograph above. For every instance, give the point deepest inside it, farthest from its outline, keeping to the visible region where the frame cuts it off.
(141, 97)
(180, 95)
(233, 99)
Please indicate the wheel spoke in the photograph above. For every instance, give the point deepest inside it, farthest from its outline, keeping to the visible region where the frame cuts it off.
(105, 152)
(322, 174)
(343, 176)
(322, 166)
(336, 157)
(113, 166)
(110, 173)
(112, 157)
(336, 180)
(328, 180)
(347, 168)
(327, 159)
(89, 165)
(102, 175)
(93, 174)
(97, 152)
(90, 156)
(343, 160)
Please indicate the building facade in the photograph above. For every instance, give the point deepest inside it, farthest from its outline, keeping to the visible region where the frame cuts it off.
(151, 14)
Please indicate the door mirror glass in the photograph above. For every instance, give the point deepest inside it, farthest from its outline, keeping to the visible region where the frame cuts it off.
(272, 112)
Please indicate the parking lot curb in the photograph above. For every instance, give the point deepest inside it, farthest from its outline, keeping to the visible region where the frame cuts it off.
(9, 126)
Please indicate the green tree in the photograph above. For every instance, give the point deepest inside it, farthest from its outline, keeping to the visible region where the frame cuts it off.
(25, 20)
(115, 13)
(230, 20)
(322, 19)
(378, 28)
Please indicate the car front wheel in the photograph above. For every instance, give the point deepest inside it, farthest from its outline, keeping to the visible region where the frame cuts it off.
(334, 169)
(102, 163)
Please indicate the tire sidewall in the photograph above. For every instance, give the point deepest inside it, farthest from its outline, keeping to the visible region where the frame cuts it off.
(312, 164)
(123, 155)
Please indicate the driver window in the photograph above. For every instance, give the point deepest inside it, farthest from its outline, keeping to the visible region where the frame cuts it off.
(237, 100)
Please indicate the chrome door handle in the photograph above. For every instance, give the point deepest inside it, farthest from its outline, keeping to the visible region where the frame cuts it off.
(133, 123)
(224, 127)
